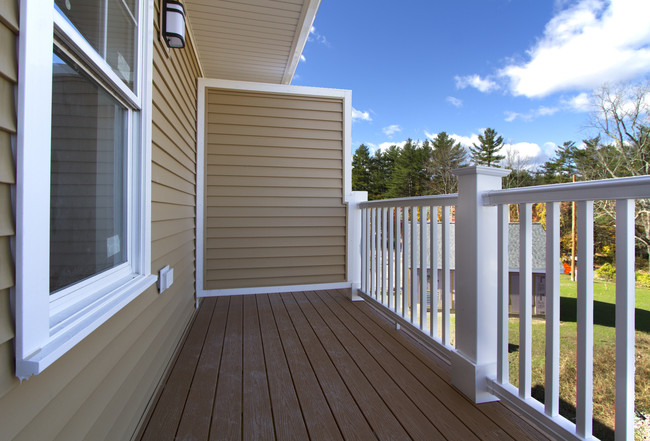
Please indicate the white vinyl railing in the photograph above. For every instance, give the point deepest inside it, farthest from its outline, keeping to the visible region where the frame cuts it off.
(624, 191)
(405, 263)
(400, 243)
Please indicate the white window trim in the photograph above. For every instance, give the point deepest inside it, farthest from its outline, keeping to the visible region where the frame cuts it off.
(38, 343)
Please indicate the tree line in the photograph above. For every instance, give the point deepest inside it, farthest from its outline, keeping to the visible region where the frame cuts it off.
(621, 148)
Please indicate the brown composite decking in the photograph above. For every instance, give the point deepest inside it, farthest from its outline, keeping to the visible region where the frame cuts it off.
(313, 365)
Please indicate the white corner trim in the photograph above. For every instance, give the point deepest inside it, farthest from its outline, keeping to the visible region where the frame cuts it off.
(347, 144)
(299, 41)
(273, 289)
(200, 184)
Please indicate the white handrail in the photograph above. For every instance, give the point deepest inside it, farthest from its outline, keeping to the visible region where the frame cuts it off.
(635, 187)
(438, 200)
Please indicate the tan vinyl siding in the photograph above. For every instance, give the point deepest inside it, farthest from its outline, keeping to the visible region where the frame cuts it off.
(274, 190)
(8, 78)
(101, 388)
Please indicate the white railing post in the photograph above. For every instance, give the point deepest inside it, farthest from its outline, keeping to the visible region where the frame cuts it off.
(475, 357)
(355, 232)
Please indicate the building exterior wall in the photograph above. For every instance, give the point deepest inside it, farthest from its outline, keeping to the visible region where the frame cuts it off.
(274, 190)
(101, 388)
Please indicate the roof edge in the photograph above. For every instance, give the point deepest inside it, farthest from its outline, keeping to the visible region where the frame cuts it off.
(305, 24)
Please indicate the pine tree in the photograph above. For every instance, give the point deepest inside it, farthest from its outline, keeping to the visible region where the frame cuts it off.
(361, 168)
(446, 155)
(487, 152)
(410, 177)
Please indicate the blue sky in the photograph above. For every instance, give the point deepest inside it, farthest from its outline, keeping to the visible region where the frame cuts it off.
(526, 68)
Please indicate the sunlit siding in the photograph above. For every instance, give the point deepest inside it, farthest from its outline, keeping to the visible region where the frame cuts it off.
(274, 190)
(101, 388)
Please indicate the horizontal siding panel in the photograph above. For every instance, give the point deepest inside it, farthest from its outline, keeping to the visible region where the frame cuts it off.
(7, 108)
(274, 172)
(9, 14)
(180, 151)
(8, 380)
(260, 273)
(273, 281)
(278, 101)
(6, 211)
(273, 242)
(229, 129)
(279, 232)
(223, 201)
(7, 168)
(276, 122)
(240, 181)
(6, 264)
(167, 161)
(253, 161)
(302, 114)
(235, 140)
(8, 61)
(279, 152)
(278, 262)
(161, 211)
(163, 193)
(162, 229)
(166, 245)
(275, 212)
(161, 175)
(6, 317)
(240, 253)
(268, 222)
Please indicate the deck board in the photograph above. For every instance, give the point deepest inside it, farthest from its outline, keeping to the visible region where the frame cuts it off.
(313, 365)
(318, 417)
(226, 416)
(289, 424)
(197, 415)
(331, 371)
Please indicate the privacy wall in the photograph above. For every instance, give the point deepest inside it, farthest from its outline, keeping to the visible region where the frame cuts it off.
(274, 212)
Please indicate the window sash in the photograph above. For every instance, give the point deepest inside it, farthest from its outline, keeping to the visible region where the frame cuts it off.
(46, 330)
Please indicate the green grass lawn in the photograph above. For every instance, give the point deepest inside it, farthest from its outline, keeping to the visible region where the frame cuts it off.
(604, 353)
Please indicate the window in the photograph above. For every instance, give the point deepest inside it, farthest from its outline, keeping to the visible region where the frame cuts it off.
(83, 158)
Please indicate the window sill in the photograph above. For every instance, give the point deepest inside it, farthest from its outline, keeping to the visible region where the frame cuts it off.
(85, 322)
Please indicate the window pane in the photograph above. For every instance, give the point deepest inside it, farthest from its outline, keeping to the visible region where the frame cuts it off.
(110, 26)
(88, 183)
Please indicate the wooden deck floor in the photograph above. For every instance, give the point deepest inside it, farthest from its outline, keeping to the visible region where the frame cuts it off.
(316, 366)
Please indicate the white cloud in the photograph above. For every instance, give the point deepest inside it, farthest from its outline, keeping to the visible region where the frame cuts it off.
(579, 103)
(359, 115)
(302, 58)
(532, 114)
(454, 101)
(525, 152)
(482, 84)
(391, 130)
(466, 141)
(584, 46)
(314, 35)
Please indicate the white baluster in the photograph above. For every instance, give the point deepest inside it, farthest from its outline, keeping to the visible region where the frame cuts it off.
(552, 371)
(585, 347)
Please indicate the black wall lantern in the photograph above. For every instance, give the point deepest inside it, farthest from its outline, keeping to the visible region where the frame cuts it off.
(174, 24)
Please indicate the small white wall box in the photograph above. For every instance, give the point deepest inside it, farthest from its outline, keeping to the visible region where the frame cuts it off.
(165, 278)
(174, 26)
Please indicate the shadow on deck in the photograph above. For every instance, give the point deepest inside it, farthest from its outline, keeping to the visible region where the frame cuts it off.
(313, 365)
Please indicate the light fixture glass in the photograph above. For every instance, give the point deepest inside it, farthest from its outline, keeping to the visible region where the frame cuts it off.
(174, 26)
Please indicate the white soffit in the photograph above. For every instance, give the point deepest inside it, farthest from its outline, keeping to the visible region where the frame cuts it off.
(250, 40)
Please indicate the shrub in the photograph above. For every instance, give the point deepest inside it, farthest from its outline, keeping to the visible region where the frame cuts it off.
(643, 279)
(606, 272)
